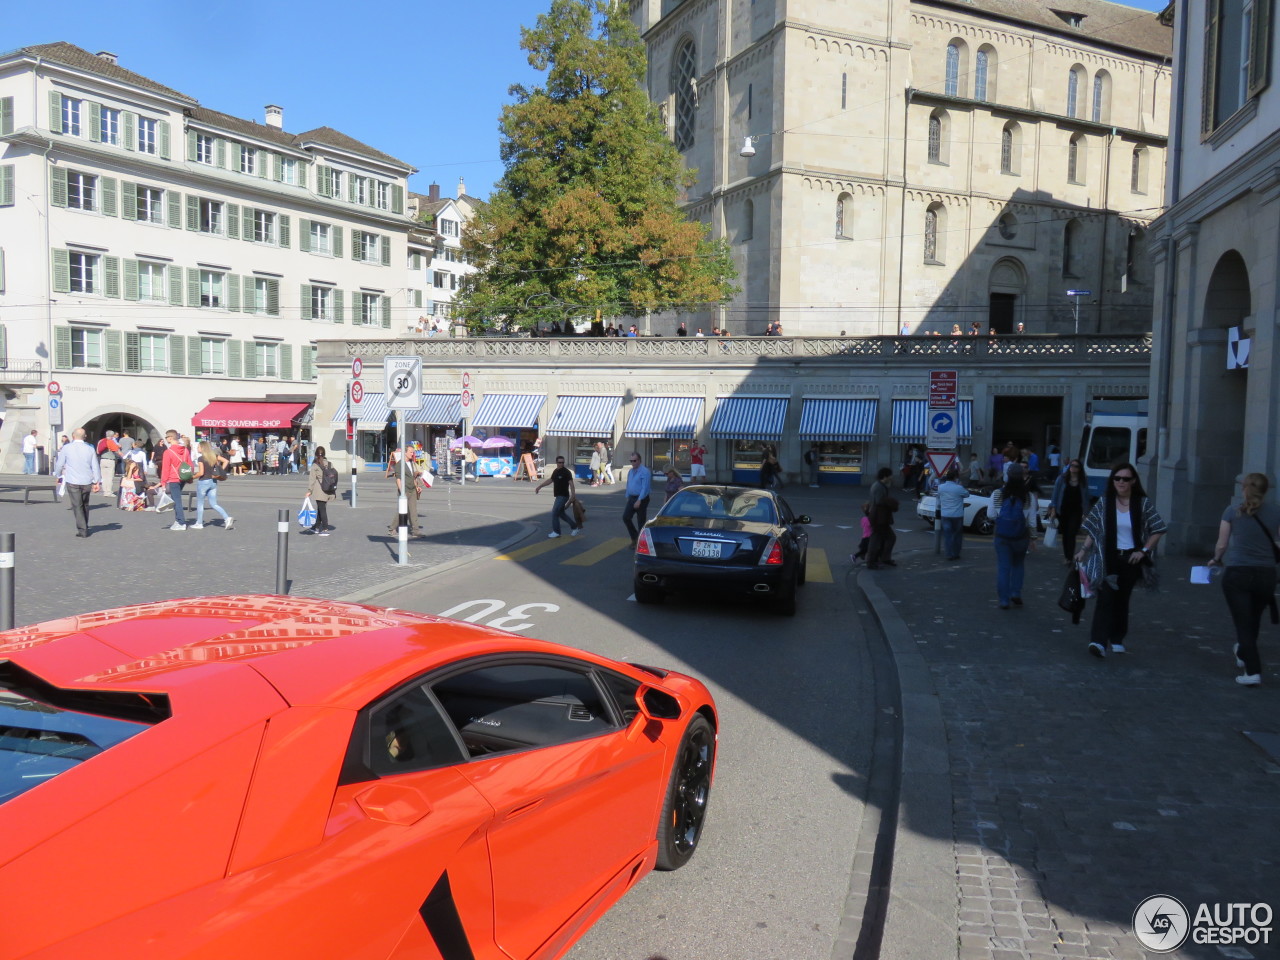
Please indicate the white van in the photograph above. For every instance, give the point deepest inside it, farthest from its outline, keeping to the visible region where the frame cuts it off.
(1115, 431)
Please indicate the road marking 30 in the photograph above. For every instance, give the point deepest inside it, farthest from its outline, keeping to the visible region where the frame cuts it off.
(515, 620)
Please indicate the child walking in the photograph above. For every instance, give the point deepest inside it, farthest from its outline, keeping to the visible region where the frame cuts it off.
(861, 555)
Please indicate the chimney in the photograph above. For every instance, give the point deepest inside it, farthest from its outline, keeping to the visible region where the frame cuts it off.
(433, 192)
(462, 187)
(108, 56)
(275, 116)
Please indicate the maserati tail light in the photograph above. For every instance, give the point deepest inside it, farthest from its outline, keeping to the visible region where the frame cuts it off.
(771, 555)
(644, 546)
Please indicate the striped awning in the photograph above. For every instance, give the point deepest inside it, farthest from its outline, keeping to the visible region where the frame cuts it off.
(438, 409)
(340, 416)
(515, 410)
(749, 418)
(373, 412)
(838, 419)
(910, 426)
(672, 418)
(584, 417)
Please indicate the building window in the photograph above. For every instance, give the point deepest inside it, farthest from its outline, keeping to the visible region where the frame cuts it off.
(248, 160)
(289, 170)
(151, 281)
(1075, 81)
(980, 76)
(153, 352)
(844, 91)
(951, 87)
(370, 309)
(934, 218)
(684, 80)
(1008, 226)
(1076, 159)
(337, 183)
(204, 148)
(360, 189)
(448, 228)
(267, 359)
(149, 205)
(84, 272)
(264, 226)
(438, 280)
(382, 194)
(748, 220)
(1100, 111)
(938, 137)
(369, 247)
(146, 135)
(109, 126)
(211, 216)
(213, 355)
(844, 211)
(321, 303)
(1138, 171)
(1071, 248)
(1132, 246)
(211, 288)
(71, 116)
(86, 348)
(81, 190)
(321, 241)
(1237, 57)
(1011, 148)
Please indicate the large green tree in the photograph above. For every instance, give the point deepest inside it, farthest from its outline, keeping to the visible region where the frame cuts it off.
(586, 215)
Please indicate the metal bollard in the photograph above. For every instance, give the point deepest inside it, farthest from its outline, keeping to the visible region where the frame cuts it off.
(6, 581)
(402, 531)
(353, 486)
(282, 552)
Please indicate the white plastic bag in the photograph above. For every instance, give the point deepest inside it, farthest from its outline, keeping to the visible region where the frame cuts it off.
(1051, 535)
(307, 514)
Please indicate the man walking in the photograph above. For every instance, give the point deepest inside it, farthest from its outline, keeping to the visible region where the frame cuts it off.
(812, 460)
(108, 456)
(883, 506)
(29, 445)
(697, 468)
(951, 494)
(639, 482)
(77, 466)
(175, 456)
(562, 488)
(406, 483)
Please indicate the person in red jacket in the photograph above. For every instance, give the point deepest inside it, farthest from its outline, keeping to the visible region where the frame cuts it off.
(175, 455)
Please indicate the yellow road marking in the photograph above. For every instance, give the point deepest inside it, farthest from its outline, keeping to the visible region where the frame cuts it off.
(598, 552)
(524, 553)
(818, 569)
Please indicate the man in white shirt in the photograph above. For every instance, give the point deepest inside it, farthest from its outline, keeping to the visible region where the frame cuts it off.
(951, 496)
(29, 453)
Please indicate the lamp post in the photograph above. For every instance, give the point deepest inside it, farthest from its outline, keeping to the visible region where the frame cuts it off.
(1076, 295)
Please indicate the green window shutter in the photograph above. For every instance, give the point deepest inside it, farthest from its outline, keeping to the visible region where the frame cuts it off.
(111, 267)
(337, 241)
(233, 222)
(62, 348)
(132, 351)
(175, 286)
(386, 311)
(193, 212)
(6, 116)
(417, 299)
(397, 198)
(195, 363)
(95, 121)
(308, 365)
(1260, 48)
(175, 210)
(62, 274)
(250, 360)
(220, 152)
(324, 185)
(384, 246)
(191, 145)
(304, 235)
(260, 163)
(115, 350)
(162, 131)
(231, 288)
(277, 167)
(304, 299)
(415, 261)
(234, 349)
(177, 354)
(337, 306)
(283, 230)
(131, 279)
(351, 189)
(355, 244)
(108, 195)
(301, 169)
(4, 344)
(55, 126)
(1, 273)
(286, 361)
(129, 129)
(193, 287)
(58, 186)
(6, 185)
(273, 298)
(129, 200)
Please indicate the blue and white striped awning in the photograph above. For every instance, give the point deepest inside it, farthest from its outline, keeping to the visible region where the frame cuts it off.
(838, 419)
(373, 412)
(437, 409)
(341, 415)
(673, 418)
(749, 418)
(910, 426)
(516, 410)
(588, 417)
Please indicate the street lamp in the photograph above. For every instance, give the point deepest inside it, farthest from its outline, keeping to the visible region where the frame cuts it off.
(1076, 295)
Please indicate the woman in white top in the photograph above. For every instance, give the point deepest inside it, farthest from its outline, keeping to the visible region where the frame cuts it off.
(237, 456)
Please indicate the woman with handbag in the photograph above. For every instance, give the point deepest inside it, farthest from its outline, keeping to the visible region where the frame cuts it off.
(1120, 532)
(1247, 549)
(210, 467)
(1069, 505)
(316, 491)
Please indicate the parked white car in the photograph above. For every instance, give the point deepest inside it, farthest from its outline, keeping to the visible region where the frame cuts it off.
(977, 511)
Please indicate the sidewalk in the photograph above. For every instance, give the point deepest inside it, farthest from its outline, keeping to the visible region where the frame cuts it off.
(1075, 787)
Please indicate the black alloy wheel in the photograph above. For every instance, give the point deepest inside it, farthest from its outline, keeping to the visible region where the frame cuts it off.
(685, 808)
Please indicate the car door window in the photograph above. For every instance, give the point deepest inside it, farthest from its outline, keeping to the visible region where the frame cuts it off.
(409, 732)
(784, 508)
(515, 706)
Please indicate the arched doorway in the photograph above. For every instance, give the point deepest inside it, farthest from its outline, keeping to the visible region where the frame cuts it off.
(1006, 288)
(138, 428)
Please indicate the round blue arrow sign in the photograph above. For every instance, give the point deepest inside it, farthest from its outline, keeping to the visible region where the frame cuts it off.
(942, 422)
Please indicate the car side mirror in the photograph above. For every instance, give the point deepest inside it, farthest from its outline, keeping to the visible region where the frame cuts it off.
(804, 518)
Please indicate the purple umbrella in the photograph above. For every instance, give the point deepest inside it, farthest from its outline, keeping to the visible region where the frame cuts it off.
(494, 442)
(456, 444)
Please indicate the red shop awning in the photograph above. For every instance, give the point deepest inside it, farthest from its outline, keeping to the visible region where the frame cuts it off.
(247, 415)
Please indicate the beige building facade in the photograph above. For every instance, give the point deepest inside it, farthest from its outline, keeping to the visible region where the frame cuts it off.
(909, 166)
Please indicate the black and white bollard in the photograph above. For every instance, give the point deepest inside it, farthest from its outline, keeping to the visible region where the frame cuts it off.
(282, 552)
(6, 581)
(402, 530)
(353, 486)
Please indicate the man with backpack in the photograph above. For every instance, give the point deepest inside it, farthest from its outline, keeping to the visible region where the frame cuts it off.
(1015, 509)
(322, 486)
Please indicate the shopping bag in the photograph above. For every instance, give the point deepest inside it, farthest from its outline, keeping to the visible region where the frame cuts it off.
(1051, 535)
(426, 479)
(579, 512)
(1071, 599)
(307, 514)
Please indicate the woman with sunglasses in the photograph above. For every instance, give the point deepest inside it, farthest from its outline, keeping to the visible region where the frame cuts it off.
(1069, 505)
(1246, 547)
(1120, 532)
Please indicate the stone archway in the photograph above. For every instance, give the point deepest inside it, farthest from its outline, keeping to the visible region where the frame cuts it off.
(1005, 291)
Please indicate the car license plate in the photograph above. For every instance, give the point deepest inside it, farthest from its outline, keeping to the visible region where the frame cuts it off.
(706, 548)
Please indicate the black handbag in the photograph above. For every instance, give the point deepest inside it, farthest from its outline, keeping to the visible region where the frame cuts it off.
(1071, 600)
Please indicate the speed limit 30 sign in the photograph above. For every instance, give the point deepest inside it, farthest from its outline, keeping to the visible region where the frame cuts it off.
(402, 382)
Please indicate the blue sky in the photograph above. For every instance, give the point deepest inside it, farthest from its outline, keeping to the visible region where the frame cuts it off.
(423, 81)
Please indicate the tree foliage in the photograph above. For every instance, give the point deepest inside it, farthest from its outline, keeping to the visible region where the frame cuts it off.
(586, 215)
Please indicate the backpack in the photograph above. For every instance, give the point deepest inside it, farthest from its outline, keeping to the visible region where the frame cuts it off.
(1011, 523)
(328, 479)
